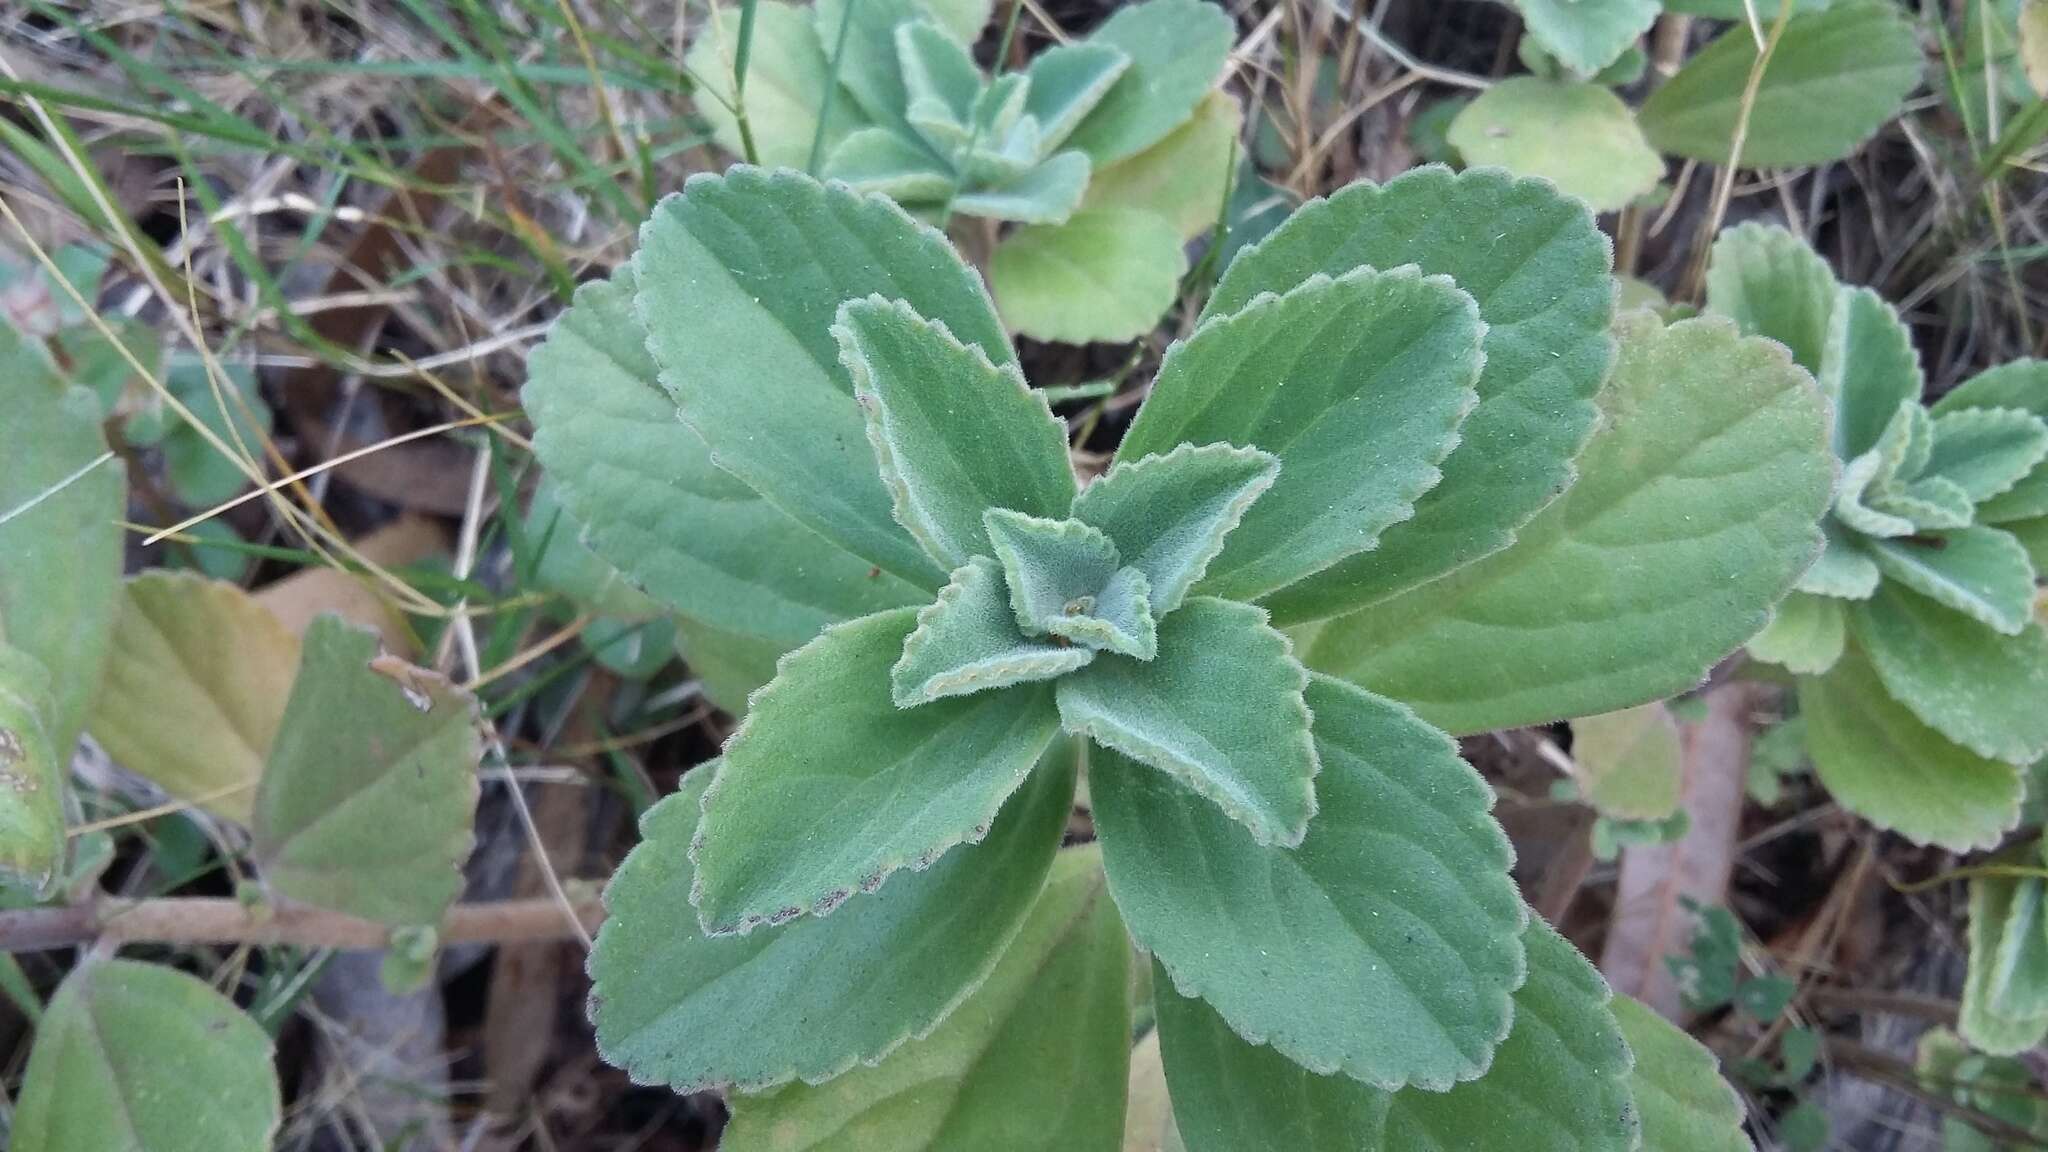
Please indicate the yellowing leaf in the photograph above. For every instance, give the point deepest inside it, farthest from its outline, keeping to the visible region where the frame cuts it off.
(1629, 762)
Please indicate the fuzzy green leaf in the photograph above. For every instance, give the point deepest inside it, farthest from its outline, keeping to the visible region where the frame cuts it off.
(1047, 193)
(1695, 511)
(740, 279)
(1033, 1061)
(964, 19)
(1105, 274)
(787, 76)
(1559, 1082)
(816, 996)
(1386, 946)
(1930, 504)
(1869, 369)
(144, 1058)
(887, 162)
(1377, 370)
(1684, 1103)
(968, 641)
(1579, 136)
(1981, 572)
(1183, 178)
(937, 68)
(2005, 986)
(1772, 284)
(649, 500)
(369, 793)
(1219, 709)
(1539, 269)
(1844, 570)
(1805, 635)
(1835, 77)
(1065, 579)
(1586, 35)
(1168, 514)
(1881, 763)
(1067, 82)
(1980, 689)
(2021, 384)
(1630, 762)
(869, 68)
(829, 787)
(1985, 451)
(1176, 50)
(31, 777)
(955, 434)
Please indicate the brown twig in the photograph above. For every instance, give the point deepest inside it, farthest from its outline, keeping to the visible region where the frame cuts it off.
(208, 920)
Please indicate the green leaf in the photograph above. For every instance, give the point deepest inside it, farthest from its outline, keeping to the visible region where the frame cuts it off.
(788, 74)
(1046, 194)
(1105, 274)
(1068, 81)
(963, 18)
(1869, 369)
(1183, 178)
(1684, 1103)
(937, 68)
(369, 794)
(811, 998)
(886, 162)
(62, 498)
(1695, 511)
(2005, 986)
(144, 1058)
(1378, 369)
(197, 472)
(1771, 284)
(1065, 579)
(1630, 762)
(1559, 1082)
(1835, 78)
(1176, 49)
(1579, 136)
(1979, 689)
(1168, 514)
(1805, 635)
(829, 787)
(1586, 35)
(1386, 946)
(31, 777)
(1985, 451)
(869, 68)
(1539, 269)
(195, 689)
(1034, 1059)
(1884, 765)
(740, 280)
(955, 434)
(1219, 709)
(2001, 1086)
(649, 500)
(968, 641)
(1981, 572)
(2022, 384)
(1930, 504)
(1844, 570)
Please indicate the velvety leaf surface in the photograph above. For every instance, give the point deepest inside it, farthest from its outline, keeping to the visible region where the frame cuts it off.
(369, 793)
(1985, 451)
(1168, 514)
(1066, 579)
(1184, 177)
(649, 500)
(2023, 385)
(1067, 82)
(1047, 193)
(1386, 946)
(1844, 569)
(955, 434)
(1219, 710)
(1869, 369)
(195, 689)
(1586, 35)
(1771, 284)
(1035, 1059)
(144, 1058)
(31, 776)
(1105, 274)
(1579, 136)
(1684, 1103)
(1980, 572)
(787, 75)
(869, 69)
(1176, 49)
(740, 279)
(1977, 688)
(1805, 635)
(968, 641)
(1538, 268)
(819, 994)
(829, 787)
(1356, 384)
(1559, 1083)
(887, 162)
(1836, 76)
(1630, 762)
(2005, 1001)
(1696, 509)
(1891, 769)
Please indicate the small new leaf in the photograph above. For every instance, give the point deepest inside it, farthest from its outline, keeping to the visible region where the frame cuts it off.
(1067, 579)
(968, 641)
(1168, 515)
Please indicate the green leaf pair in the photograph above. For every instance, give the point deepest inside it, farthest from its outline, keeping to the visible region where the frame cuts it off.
(1920, 662)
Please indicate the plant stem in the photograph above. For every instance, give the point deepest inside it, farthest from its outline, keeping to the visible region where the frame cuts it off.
(209, 920)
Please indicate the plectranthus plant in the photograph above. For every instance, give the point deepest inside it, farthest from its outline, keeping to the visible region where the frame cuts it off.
(881, 918)
(1109, 152)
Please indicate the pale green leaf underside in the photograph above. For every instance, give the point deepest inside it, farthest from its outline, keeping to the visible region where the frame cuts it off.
(2021, 384)
(829, 787)
(31, 778)
(1985, 451)
(1048, 193)
(968, 641)
(1356, 384)
(1539, 269)
(1219, 709)
(1587, 35)
(1869, 367)
(1771, 284)
(1630, 762)
(143, 1057)
(1168, 514)
(818, 995)
(1559, 1083)
(1974, 686)
(1034, 1061)
(1805, 635)
(1067, 579)
(1176, 50)
(1980, 572)
(1844, 570)
(1997, 991)
(1684, 1104)
(886, 162)
(1696, 509)
(369, 794)
(1386, 946)
(1104, 274)
(1579, 136)
(954, 434)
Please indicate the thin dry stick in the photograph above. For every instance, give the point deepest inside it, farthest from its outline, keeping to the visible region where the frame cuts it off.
(1724, 183)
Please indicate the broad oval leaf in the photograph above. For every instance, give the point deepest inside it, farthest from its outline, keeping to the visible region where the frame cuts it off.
(1578, 135)
(1631, 763)
(1805, 635)
(1183, 178)
(1696, 509)
(1219, 709)
(1356, 384)
(31, 777)
(1105, 274)
(1035, 1059)
(1386, 946)
(829, 787)
(1979, 689)
(195, 689)
(1684, 1103)
(1772, 284)
(1176, 50)
(369, 794)
(812, 998)
(1538, 267)
(968, 641)
(1980, 572)
(1835, 77)
(1067, 82)
(1985, 451)
(1587, 35)
(1168, 515)
(144, 1058)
